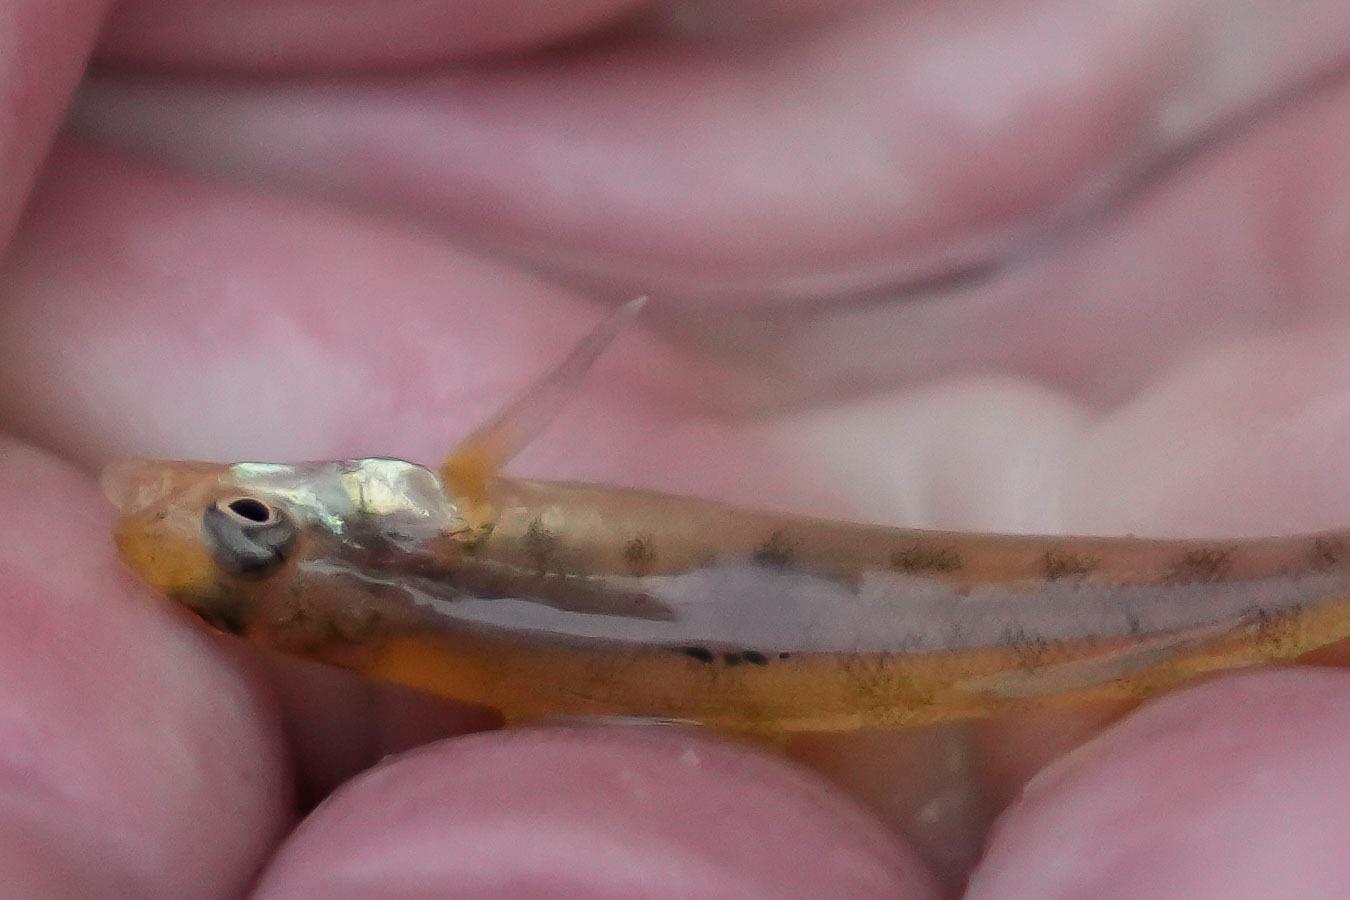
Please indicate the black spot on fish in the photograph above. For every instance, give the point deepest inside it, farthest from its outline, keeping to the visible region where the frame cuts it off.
(883, 688)
(702, 654)
(785, 655)
(754, 657)
(1057, 564)
(475, 539)
(1031, 649)
(541, 543)
(1327, 553)
(639, 554)
(1274, 631)
(732, 659)
(777, 551)
(921, 558)
(1203, 564)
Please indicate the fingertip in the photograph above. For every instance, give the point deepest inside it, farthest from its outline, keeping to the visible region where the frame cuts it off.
(596, 812)
(1179, 798)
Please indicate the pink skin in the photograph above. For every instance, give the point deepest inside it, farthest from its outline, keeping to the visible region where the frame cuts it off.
(1178, 366)
(307, 35)
(639, 812)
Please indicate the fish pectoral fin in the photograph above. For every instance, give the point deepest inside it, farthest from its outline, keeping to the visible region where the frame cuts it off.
(472, 466)
(1097, 669)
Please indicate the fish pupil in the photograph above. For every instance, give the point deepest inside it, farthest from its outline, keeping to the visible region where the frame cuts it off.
(250, 509)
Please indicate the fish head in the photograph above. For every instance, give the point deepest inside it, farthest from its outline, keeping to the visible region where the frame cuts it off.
(238, 541)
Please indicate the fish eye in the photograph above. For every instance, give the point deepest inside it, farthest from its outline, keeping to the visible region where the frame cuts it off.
(248, 536)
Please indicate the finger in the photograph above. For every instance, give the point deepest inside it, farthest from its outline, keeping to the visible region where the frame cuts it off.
(43, 45)
(1184, 800)
(591, 812)
(287, 35)
(235, 324)
(790, 168)
(137, 758)
(1240, 240)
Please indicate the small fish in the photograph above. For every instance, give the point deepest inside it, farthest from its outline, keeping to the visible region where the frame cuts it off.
(549, 599)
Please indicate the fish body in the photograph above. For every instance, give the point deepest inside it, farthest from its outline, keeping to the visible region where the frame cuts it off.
(550, 599)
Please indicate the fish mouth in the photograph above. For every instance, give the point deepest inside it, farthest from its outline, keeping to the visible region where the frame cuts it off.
(134, 484)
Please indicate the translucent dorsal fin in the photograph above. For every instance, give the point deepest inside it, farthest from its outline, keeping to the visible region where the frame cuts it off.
(479, 457)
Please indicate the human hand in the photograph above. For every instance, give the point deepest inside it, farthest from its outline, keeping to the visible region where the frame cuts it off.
(1172, 362)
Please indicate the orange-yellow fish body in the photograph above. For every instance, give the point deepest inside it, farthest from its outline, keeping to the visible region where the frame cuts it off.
(556, 599)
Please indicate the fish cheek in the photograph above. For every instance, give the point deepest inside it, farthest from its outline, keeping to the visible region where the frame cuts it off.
(173, 563)
(185, 571)
(168, 549)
